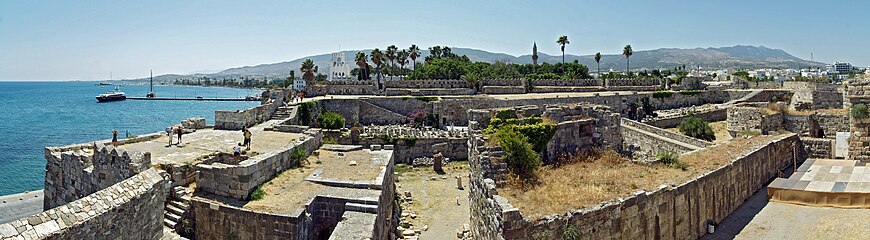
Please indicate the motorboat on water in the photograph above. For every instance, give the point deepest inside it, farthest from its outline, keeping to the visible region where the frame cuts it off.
(114, 95)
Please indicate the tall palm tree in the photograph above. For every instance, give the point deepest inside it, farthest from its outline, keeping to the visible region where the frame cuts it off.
(414, 52)
(598, 61)
(391, 55)
(378, 59)
(563, 41)
(308, 70)
(402, 59)
(627, 52)
(362, 61)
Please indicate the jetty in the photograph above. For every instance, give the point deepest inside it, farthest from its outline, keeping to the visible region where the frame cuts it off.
(194, 99)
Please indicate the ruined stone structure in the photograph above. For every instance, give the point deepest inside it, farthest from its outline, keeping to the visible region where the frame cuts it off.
(650, 141)
(73, 172)
(745, 119)
(859, 140)
(808, 95)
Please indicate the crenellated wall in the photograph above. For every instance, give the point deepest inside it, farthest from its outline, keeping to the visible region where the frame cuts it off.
(129, 209)
(75, 171)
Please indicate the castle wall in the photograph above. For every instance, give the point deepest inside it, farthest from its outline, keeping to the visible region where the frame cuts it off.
(75, 171)
(678, 212)
(818, 147)
(238, 119)
(238, 181)
(713, 115)
(129, 209)
(653, 140)
(752, 119)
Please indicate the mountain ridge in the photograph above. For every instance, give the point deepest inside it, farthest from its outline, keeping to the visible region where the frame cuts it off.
(738, 56)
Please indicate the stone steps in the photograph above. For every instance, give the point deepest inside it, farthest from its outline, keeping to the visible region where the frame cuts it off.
(175, 207)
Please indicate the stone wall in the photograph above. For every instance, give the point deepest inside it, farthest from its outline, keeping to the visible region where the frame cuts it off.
(342, 88)
(859, 140)
(411, 143)
(130, 209)
(238, 119)
(831, 123)
(669, 212)
(753, 119)
(808, 95)
(818, 147)
(429, 91)
(75, 171)
(238, 181)
(429, 83)
(710, 115)
(219, 221)
(650, 140)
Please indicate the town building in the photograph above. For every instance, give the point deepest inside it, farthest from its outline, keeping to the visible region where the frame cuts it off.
(339, 69)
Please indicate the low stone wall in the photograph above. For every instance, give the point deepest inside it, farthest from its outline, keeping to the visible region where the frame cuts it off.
(667, 134)
(652, 141)
(238, 181)
(752, 119)
(676, 212)
(830, 123)
(818, 147)
(503, 90)
(568, 82)
(430, 83)
(75, 171)
(236, 120)
(712, 115)
(359, 88)
(632, 82)
(513, 82)
(214, 221)
(428, 91)
(130, 209)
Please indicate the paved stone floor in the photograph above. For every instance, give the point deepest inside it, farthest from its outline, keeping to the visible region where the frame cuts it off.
(205, 141)
(16, 206)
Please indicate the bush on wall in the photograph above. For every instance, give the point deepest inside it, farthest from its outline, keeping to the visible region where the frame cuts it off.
(330, 120)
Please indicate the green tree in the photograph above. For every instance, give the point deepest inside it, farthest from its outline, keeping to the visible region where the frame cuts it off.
(308, 70)
(402, 59)
(697, 128)
(520, 156)
(378, 59)
(627, 52)
(391, 53)
(563, 41)
(330, 120)
(362, 61)
(414, 52)
(598, 62)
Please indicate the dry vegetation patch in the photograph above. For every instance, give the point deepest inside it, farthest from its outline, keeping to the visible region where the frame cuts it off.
(592, 179)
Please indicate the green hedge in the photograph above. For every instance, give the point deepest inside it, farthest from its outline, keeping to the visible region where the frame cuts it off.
(858, 111)
(330, 120)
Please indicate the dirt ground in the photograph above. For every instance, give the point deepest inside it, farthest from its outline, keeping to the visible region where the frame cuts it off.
(434, 201)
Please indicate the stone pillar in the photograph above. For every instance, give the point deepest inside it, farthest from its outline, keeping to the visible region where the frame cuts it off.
(437, 162)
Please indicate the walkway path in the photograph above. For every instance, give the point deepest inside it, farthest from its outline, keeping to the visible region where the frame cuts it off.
(16, 206)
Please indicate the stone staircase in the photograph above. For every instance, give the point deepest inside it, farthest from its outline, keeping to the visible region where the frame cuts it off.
(176, 206)
(284, 112)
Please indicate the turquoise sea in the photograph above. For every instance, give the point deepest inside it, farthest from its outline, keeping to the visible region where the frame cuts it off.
(34, 115)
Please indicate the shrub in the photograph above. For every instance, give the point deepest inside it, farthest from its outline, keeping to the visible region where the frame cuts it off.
(257, 194)
(662, 94)
(506, 114)
(330, 120)
(521, 157)
(298, 156)
(305, 110)
(697, 128)
(858, 111)
(672, 160)
(330, 141)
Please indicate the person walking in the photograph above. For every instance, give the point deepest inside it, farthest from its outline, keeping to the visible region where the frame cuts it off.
(169, 132)
(114, 138)
(237, 153)
(248, 135)
(179, 131)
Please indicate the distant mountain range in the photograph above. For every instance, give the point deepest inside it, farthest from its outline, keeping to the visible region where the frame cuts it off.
(739, 57)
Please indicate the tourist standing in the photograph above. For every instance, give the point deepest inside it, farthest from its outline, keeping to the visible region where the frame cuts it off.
(114, 138)
(179, 131)
(248, 139)
(237, 153)
(169, 132)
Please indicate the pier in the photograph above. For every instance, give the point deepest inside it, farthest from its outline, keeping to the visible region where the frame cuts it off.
(195, 99)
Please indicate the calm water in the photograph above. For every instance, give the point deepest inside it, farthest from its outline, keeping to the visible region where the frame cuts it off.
(39, 114)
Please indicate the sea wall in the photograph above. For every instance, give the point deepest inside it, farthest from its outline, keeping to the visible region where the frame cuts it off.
(238, 181)
(75, 171)
(130, 209)
(668, 212)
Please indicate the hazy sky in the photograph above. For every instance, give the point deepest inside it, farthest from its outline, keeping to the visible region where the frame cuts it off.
(70, 40)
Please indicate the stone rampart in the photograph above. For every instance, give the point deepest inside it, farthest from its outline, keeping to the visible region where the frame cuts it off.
(567, 82)
(670, 212)
(697, 143)
(742, 120)
(808, 95)
(428, 83)
(239, 180)
(429, 91)
(818, 147)
(831, 123)
(238, 119)
(503, 89)
(357, 88)
(511, 82)
(75, 171)
(129, 209)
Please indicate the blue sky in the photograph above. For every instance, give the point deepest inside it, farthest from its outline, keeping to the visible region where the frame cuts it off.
(73, 40)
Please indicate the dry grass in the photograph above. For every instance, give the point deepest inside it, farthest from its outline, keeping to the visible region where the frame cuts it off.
(834, 111)
(774, 108)
(592, 179)
(720, 130)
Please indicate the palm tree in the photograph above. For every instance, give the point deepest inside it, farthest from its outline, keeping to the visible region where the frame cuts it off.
(414, 52)
(402, 58)
(598, 61)
(563, 40)
(391, 55)
(378, 59)
(627, 52)
(362, 61)
(308, 70)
